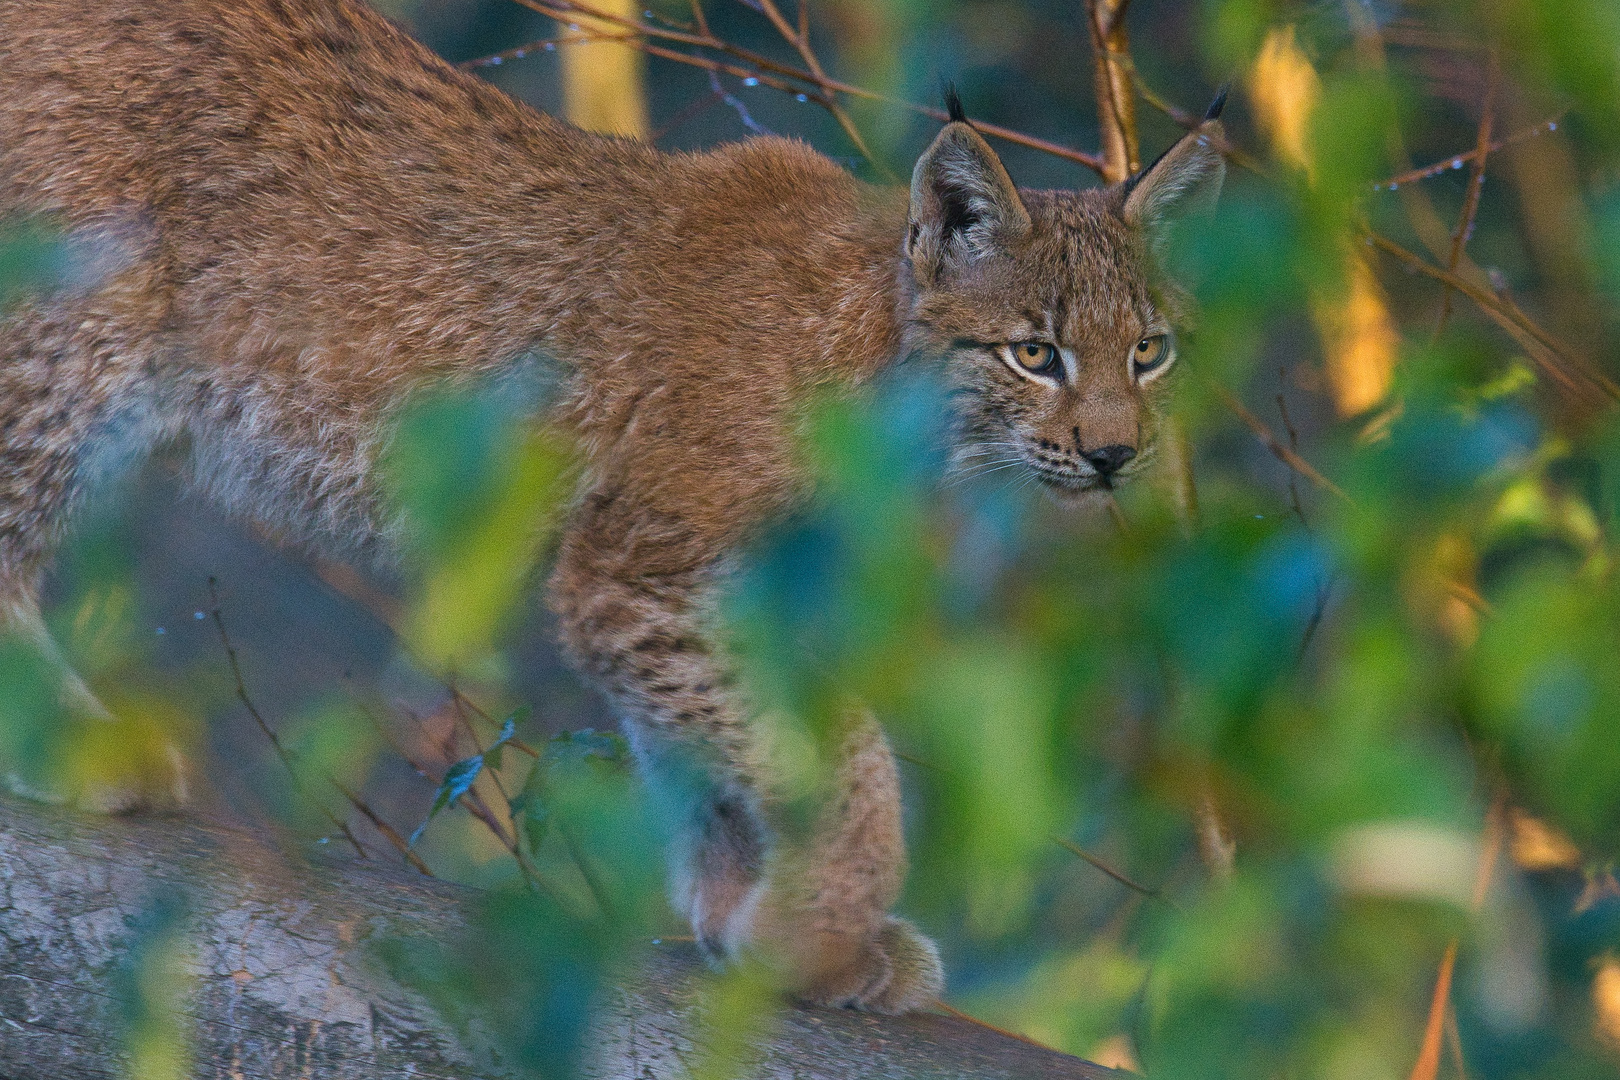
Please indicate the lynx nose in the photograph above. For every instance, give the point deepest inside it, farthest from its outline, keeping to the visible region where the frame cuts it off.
(1109, 459)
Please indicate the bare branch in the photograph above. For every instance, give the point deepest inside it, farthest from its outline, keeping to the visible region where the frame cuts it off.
(800, 40)
(1282, 453)
(1578, 378)
(264, 726)
(1087, 856)
(1116, 103)
(1414, 175)
(1476, 182)
(767, 72)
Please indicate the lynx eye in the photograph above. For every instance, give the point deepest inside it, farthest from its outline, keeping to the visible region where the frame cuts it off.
(1150, 353)
(1035, 357)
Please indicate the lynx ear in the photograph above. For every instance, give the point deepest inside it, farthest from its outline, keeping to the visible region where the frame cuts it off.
(1186, 178)
(963, 203)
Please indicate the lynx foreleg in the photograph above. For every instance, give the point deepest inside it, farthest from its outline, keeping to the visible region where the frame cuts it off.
(817, 908)
(639, 640)
(830, 904)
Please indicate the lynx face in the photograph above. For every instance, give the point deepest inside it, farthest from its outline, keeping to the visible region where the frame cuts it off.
(1044, 305)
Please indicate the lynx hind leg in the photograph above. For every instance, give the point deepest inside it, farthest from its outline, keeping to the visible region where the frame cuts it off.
(62, 379)
(96, 761)
(829, 913)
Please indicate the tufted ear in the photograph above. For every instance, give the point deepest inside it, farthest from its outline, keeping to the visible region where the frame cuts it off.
(963, 203)
(1186, 178)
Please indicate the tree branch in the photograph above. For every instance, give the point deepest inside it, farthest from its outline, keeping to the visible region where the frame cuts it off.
(287, 984)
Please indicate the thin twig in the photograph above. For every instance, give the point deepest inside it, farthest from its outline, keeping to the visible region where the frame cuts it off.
(522, 52)
(1324, 593)
(1293, 444)
(1076, 849)
(800, 40)
(1454, 1040)
(1458, 161)
(264, 725)
(735, 104)
(691, 110)
(1542, 347)
(700, 19)
(1476, 182)
(463, 700)
(1427, 1066)
(1188, 120)
(593, 881)
(478, 809)
(388, 832)
(1279, 451)
(777, 75)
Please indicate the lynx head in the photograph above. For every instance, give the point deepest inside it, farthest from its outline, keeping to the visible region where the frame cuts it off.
(1047, 306)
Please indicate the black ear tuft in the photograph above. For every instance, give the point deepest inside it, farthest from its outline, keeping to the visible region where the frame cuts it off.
(953, 103)
(1217, 106)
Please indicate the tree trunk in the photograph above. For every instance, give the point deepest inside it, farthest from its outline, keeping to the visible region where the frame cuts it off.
(283, 984)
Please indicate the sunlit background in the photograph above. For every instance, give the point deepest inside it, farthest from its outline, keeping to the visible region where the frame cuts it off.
(1304, 761)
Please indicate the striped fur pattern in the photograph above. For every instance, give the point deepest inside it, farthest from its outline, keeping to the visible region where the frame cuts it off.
(302, 215)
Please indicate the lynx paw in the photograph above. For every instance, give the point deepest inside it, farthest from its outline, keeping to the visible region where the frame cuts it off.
(106, 765)
(898, 971)
(158, 785)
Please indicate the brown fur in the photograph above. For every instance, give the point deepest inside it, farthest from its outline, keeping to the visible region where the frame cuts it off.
(300, 215)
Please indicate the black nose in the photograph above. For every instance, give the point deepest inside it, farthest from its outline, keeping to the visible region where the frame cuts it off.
(1110, 459)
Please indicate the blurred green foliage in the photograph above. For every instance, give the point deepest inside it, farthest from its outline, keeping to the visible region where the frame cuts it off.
(153, 987)
(479, 485)
(32, 257)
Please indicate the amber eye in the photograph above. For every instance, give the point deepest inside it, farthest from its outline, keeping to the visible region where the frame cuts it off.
(1150, 353)
(1036, 357)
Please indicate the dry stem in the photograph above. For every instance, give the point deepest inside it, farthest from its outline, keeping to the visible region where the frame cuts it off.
(1116, 102)
(1118, 876)
(1412, 176)
(264, 726)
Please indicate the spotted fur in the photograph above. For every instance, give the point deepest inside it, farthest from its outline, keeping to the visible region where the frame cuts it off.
(306, 215)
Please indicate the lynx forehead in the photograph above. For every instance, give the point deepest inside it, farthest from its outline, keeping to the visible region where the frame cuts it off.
(322, 216)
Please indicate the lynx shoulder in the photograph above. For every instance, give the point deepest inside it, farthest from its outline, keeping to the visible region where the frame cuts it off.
(303, 216)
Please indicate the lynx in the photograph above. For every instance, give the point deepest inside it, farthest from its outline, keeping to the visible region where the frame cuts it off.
(302, 215)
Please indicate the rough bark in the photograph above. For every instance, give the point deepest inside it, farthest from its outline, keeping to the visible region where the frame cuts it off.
(285, 984)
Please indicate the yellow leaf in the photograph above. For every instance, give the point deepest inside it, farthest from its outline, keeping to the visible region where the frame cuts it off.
(1606, 1001)
(1538, 846)
(1285, 88)
(1359, 339)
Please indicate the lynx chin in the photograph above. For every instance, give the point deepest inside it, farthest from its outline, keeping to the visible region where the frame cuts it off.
(312, 216)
